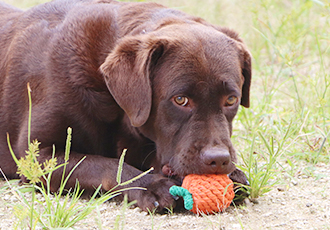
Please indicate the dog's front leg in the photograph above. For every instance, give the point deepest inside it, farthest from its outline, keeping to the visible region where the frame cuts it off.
(96, 170)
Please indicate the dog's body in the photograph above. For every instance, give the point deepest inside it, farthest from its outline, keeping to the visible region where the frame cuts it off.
(163, 84)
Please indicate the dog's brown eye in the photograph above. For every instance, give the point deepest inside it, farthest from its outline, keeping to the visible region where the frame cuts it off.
(182, 101)
(231, 100)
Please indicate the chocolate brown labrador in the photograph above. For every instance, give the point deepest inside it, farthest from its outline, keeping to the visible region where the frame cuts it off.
(162, 84)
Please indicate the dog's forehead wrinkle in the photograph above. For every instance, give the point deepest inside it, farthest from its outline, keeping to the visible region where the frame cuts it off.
(203, 47)
(211, 68)
(190, 68)
(230, 86)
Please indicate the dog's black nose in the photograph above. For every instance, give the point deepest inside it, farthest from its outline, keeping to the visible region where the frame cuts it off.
(218, 161)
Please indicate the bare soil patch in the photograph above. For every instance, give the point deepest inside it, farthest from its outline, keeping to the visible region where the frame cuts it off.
(302, 203)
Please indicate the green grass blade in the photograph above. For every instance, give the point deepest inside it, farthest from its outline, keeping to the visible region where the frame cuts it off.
(120, 166)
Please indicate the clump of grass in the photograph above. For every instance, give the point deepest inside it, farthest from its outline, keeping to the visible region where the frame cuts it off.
(260, 168)
(63, 208)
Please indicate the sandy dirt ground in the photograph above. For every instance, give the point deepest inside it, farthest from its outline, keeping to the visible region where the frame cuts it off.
(302, 203)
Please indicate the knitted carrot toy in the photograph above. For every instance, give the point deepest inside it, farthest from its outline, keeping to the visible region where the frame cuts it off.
(205, 193)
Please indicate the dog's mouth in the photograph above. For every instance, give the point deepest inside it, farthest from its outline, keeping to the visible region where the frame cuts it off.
(168, 171)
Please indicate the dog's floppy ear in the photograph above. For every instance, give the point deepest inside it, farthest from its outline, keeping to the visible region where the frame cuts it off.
(245, 57)
(127, 70)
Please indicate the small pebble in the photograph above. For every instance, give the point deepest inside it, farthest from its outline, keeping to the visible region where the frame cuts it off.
(267, 214)
(295, 183)
(323, 180)
(254, 200)
(258, 210)
(309, 205)
(312, 210)
(247, 202)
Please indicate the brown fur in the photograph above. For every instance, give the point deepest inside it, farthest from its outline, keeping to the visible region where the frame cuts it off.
(111, 71)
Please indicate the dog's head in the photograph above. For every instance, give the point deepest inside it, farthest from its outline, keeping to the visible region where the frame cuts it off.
(181, 87)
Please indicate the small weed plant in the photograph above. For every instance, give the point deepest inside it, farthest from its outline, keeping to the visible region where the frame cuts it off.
(62, 209)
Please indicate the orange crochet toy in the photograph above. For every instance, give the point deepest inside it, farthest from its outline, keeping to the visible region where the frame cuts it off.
(206, 194)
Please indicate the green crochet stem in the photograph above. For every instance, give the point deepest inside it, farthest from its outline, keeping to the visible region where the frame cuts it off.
(186, 195)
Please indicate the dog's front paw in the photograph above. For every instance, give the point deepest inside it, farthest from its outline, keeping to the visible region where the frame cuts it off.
(240, 186)
(156, 196)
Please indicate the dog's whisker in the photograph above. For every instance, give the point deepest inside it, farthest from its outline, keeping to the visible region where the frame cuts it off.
(145, 159)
